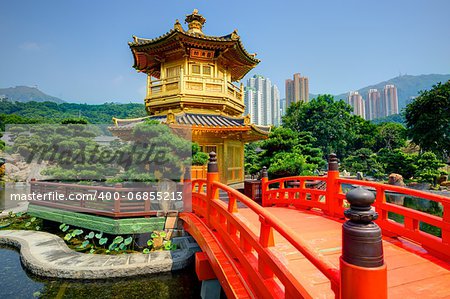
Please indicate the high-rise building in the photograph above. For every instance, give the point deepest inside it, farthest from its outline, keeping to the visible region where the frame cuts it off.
(282, 107)
(374, 105)
(390, 100)
(357, 102)
(262, 101)
(276, 110)
(297, 89)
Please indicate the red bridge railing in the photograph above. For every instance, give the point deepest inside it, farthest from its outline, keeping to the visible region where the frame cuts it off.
(410, 228)
(266, 274)
(269, 277)
(293, 191)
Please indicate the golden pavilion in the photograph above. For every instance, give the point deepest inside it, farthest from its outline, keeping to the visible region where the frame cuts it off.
(190, 82)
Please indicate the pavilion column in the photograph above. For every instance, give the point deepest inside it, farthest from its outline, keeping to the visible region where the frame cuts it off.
(181, 83)
(362, 267)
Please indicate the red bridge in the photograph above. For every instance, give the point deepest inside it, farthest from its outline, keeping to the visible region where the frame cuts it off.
(298, 244)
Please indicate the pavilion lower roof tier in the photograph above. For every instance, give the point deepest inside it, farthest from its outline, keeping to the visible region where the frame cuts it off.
(237, 128)
(227, 50)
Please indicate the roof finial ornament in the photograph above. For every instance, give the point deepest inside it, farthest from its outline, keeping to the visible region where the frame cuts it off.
(195, 22)
(234, 34)
(177, 25)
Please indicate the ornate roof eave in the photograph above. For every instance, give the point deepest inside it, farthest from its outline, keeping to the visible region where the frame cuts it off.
(195, 38)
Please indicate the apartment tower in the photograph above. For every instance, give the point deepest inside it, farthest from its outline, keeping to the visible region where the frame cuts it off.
(297, 89)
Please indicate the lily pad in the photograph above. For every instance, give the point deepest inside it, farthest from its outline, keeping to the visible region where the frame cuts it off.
(118, 240)
(90, 235)
(77, 232)
(67, 237)
(146, 251)
(128, 241)
(112, 246)
(84, 244)
(103, 241)
(99, 235)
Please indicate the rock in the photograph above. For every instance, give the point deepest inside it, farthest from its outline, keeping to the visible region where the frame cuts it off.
(11, 168)
(442, 178)
(396, 180)
(445, 184)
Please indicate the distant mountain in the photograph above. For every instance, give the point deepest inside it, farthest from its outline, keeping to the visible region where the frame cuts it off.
(27, 94)
(407, 87)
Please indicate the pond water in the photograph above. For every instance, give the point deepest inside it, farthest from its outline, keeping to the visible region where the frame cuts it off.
(15, 282)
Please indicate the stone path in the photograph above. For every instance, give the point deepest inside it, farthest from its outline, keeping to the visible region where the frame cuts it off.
(22, 207)
(47, 255)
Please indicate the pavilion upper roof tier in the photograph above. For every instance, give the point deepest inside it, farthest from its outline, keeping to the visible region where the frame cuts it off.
(227, 50)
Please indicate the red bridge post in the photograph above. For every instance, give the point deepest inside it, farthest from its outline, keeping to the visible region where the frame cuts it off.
(211, 177)
(362, 267)
(264, 186)
(187, 190)
(332, 187)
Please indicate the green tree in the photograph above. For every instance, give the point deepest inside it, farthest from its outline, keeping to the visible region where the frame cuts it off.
(428, 167)
(365, 161)
(290, 164)
(287, 153)
(331, 123)
(198, 157)
(74, 120)
(390, 136)
(396, 161)
(428, 119)
(252, 158)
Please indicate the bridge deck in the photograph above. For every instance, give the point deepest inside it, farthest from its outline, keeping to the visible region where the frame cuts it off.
(412, 272)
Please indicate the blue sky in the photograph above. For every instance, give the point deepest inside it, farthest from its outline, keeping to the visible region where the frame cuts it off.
(78, 51)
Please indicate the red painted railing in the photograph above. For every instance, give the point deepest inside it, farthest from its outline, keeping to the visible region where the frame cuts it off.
(410, 229)
(263, 269)
(293, 191)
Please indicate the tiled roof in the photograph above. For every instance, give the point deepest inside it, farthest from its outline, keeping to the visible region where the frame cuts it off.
(201, 120)
(232, 37)
(209, 120)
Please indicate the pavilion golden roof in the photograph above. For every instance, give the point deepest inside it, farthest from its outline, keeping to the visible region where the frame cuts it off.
(228, 50)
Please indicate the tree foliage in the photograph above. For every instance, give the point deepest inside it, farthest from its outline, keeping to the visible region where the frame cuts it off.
(390, 136)
(428, 167)
(365, 161)
(397, 161)
(285, 152)
(49, 112)
(428, 120)
(331, 123)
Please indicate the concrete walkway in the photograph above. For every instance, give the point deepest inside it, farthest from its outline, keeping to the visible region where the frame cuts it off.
(47, 255)
(21, 207)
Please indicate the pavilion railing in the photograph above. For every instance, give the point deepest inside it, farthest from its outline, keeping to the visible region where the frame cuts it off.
(115, 201)
(193, 84)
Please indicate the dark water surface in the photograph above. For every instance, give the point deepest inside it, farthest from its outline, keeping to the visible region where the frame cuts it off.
(15, 282)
